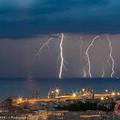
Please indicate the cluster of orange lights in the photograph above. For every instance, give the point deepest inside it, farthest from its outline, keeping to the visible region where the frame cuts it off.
(19, 100)
(111, 95)
(74, 95)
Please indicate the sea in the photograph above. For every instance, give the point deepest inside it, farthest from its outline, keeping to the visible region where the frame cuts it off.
(23, 87)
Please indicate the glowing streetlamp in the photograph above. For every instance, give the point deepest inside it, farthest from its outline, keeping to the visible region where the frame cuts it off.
(106, 90)
(19, 100)
(113, 93)
(57, 91)
(83, 90)
(118, 93)
(102, 98)
(74, 95)
(52, 92)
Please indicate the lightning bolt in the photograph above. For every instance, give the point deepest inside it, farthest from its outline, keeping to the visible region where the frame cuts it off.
(110, 56)
(81, 44)
(84, 74)
(44, 45)
(103, 72)
(61, 56)
(88, 57)
(81, 47)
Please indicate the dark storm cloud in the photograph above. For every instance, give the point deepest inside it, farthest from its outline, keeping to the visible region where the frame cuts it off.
(77, 3)
(32, 17)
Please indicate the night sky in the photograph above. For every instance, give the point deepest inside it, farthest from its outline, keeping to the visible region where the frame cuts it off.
(26, 25)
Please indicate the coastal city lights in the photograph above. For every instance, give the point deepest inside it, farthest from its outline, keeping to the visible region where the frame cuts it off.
(58, 100)
(59, 59)
(74, 95)
(55, 94)
(19, 100)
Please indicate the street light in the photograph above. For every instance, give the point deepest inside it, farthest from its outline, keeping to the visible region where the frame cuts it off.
(118, 93)
(74, 95)
(83, 90)
(113, 93)
(57, 90)
(52, 92)
(106, 90)
(102, 98)
(19, 100)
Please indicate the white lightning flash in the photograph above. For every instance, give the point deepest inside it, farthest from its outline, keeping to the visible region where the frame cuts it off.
(44, 45)
(88, 57)
(110, 56)
(81, 45)
(84, 74)
(103, 72)
(81, 51)
(61, 56)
